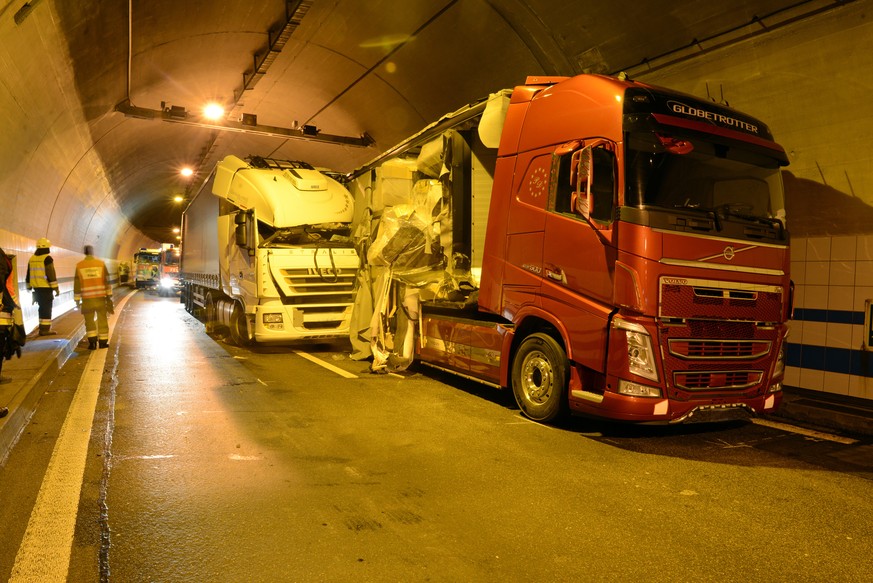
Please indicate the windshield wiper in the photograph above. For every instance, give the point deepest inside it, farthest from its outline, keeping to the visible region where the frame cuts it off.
(710, 213)
(727, 210)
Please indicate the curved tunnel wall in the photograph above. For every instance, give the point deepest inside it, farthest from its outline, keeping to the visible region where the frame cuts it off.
(51, 181)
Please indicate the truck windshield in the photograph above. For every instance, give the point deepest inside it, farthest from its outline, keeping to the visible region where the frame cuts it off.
(147, 258)
(323, 235)
(699, 174)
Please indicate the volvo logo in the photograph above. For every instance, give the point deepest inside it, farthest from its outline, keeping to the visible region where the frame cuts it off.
(728, 253)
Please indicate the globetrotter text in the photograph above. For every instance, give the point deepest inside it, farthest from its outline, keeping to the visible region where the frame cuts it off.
(718, 118)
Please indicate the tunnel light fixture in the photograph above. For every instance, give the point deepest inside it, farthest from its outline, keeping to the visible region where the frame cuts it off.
(247, 124)
(176, 112)
(25, 11)
(186, 172)
(213, 111)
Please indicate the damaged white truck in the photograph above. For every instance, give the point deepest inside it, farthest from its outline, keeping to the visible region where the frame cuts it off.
(266, 252)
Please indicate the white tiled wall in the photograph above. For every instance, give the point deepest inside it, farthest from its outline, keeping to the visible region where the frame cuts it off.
(65, 261)
(831, 273)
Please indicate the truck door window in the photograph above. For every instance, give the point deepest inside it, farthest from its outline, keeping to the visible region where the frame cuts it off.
(562, 187)
(603, 184)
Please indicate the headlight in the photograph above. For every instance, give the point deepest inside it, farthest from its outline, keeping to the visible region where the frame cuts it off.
(779, 367)
(166, 282)
(274, 318)
(640, 355)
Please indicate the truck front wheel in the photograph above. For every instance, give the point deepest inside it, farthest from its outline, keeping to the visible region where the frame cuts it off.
(240, 332)
(539, 377)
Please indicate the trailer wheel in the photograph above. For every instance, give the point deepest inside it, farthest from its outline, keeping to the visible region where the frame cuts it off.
(239, 327)
(539, 377)
(210, 318)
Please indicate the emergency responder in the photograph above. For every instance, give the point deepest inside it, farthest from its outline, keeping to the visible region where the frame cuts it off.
(7, 305)
(42, 281)
(93, 295)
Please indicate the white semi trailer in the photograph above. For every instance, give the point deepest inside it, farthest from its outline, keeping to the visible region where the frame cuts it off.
(266, 252)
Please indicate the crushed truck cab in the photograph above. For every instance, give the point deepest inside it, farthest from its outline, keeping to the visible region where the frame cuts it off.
(266, 252)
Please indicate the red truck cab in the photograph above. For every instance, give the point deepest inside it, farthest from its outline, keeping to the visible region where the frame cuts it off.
(635, 262)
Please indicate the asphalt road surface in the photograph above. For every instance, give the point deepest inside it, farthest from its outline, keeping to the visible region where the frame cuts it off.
(208, 462)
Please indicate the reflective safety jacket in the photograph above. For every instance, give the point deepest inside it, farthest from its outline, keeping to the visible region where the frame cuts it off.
(92, 280)
(41, 272)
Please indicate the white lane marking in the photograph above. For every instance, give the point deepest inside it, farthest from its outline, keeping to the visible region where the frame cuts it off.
(326, 365)
(244, 458)
(802, 431)
(44, 554)
(526, 421)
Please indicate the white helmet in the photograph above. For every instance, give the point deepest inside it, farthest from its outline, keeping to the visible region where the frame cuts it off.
(43, 243)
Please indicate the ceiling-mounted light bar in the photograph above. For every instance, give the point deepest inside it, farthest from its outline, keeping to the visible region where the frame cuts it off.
(247, 124)
(25, 11)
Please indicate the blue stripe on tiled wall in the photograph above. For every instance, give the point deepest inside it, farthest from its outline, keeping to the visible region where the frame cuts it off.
(834, 316)
(828, 358)
(831, 359)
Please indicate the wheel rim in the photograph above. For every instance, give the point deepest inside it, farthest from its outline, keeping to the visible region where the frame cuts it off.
(537, 378)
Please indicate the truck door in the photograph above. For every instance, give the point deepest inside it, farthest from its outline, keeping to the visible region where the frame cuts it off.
(237, 262)
(578, 254)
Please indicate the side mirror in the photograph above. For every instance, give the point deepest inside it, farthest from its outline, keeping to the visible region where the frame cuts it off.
(240, 235)
(580, 165)
(244, 231)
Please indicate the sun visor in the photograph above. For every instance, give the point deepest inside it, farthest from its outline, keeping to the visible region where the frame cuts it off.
(430, 159)
(491, 124)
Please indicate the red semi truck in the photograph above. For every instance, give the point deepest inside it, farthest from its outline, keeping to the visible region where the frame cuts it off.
(634, 264)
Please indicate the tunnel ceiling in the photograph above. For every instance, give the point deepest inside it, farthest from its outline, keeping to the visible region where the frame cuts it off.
(355, 71)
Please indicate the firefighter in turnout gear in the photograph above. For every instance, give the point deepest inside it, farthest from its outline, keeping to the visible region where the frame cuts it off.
(42, 281)
(93, 295)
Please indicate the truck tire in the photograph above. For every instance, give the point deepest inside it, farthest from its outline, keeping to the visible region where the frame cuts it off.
(239, 327)
(539, 377)
(210, 318)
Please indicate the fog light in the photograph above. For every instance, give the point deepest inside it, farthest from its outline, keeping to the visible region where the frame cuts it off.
(637, 390)
(273, 321)
(775, 388)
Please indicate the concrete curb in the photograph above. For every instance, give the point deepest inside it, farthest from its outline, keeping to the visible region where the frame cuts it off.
(851, 417)
(25, 398)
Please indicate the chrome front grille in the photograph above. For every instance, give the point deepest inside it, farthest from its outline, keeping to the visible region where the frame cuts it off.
(698, 349)
(312, 285)
(716, 380)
